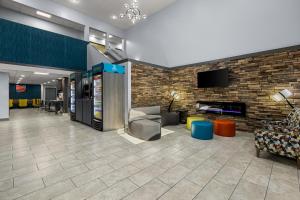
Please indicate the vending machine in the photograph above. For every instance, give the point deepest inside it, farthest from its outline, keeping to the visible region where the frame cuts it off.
(75, 93)
(108, 97)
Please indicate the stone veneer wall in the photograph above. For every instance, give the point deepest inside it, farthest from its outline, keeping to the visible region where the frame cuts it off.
(252, 80)
(149, 86)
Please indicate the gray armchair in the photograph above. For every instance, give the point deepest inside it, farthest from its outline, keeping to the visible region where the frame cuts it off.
(145, 123)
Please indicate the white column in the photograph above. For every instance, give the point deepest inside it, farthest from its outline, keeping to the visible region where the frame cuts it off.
(127, 91)
(86, 33)
(4, 96)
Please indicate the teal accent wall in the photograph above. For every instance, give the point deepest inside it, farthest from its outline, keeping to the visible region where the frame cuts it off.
(32, 92)
(21, 44)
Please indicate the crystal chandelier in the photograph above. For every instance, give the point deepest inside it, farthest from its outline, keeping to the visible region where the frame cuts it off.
(132, 12)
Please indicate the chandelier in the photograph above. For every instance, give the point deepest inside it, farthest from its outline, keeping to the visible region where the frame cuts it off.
(133, 12)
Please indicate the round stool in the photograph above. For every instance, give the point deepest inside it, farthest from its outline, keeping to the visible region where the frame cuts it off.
(192, 119)
(202, 130)
(224, 127)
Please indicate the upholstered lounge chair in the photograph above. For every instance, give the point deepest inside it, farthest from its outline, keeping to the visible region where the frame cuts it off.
(145, 123)
(281, 137)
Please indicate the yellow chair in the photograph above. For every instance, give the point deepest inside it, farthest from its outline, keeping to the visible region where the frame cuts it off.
(36, 102)
(192, 119)
(23, 103)
(11, 103)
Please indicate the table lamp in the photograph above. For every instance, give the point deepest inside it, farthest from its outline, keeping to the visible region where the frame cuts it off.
(175, 96)
(283, 95)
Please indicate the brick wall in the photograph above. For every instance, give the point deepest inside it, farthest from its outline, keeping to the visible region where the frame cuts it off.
(252, 81)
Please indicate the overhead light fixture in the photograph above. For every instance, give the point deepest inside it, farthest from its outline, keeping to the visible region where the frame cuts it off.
(22, 75)
(53, 80)
(48, 82)
(43, 14)
(110, 36)
(104, 34)
(75, 1)
(41, 73)
(133, 13)
(114, 17)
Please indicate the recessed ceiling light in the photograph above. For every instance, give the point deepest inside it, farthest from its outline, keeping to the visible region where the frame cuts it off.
(22, 75)
(41, 73)
(114, 17)
(48, 82)
(43, 14)
(104, 34)
(53, 80)
(75, 1)
(110, 36)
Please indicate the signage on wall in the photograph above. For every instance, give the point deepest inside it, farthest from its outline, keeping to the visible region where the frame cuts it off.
(21, 88)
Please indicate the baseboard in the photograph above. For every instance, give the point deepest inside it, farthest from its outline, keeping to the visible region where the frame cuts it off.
(4, 119)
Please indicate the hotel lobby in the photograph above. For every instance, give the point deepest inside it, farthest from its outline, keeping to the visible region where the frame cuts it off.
(149, 100)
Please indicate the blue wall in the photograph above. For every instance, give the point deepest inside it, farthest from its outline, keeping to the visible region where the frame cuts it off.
(20, 44)
(32, 92)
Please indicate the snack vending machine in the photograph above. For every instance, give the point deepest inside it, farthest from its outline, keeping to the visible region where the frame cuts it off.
(75, 90)
(108, 97)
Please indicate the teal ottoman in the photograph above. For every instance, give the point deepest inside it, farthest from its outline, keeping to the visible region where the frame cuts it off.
(202, 130)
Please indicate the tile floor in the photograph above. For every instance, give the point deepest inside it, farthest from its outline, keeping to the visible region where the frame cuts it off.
(43, 156)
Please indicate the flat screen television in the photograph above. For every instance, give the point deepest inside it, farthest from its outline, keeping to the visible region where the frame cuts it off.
(21, 88)
(215, 78)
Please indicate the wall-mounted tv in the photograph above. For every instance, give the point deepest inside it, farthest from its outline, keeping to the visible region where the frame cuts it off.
(215, 78)
(21, 88)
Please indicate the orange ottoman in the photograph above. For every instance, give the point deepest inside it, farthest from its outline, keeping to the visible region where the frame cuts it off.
(224, 127)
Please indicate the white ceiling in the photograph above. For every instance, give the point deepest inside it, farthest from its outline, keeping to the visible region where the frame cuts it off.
(32, 12)
(104, 9)
(15, 72)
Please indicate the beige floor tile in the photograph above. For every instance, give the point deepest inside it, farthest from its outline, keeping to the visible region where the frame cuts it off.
(117, 164)
(116, 192)
(119, 174)
(174, 175)
(215, 190)
(183, 190)
(204, 173)
(50, 192)
(24, 179)
(101, 161)
(6, 185)
(150, 191)
(147, 175)
(283, 196)
(84, 191)
(87, 176)
(229, 175)
(22, 190)
(248, 191)
(65, 174)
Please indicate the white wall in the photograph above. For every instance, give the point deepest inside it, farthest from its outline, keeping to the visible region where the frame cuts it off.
(72, 15)
(38, 23)
(4, 96)
(192, 31)
(94, 57)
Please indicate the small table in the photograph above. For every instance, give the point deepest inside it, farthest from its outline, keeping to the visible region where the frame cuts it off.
(57, 105)
(183, 114)
(169, 118)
